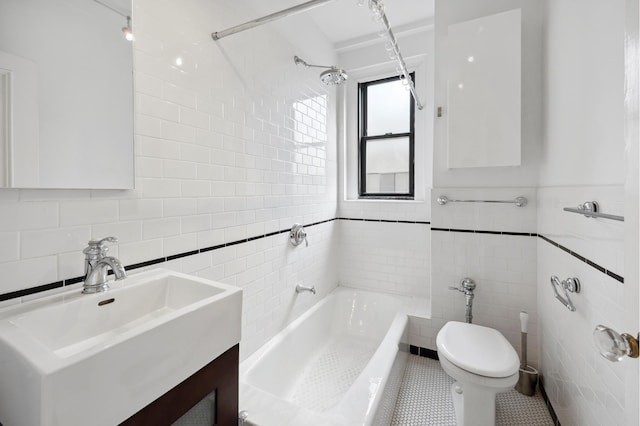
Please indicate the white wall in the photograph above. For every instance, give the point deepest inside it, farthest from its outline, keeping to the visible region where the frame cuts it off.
(221, 156)
(583, 158)
(386, 256)
(79, 135)
(454, 11)
(502, 265)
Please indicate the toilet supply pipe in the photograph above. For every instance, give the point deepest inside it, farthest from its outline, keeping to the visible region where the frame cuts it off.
(528, 376)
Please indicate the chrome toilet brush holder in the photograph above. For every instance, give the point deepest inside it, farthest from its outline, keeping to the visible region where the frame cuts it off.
(528, 376)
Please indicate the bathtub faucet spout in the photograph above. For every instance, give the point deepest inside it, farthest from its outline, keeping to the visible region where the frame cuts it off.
(302, 288)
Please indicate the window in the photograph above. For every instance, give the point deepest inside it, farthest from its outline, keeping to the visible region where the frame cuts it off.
(386, 149)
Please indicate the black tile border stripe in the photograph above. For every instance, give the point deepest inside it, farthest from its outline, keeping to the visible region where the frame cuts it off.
(75, 280)
(32, 290)
(423, 352)
(431, 354)
(578, 256)
(581, 258)
(479, 231)
(552, 412)
(418, 222)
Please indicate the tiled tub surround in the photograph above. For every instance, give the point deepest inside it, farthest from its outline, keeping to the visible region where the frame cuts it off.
(385, 256)
(20, 295)
(234, 143)
(332, 365)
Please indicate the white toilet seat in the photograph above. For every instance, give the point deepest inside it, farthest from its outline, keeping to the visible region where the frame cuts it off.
(477, 350)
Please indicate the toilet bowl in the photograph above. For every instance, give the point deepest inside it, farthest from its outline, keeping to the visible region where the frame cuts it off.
(483, 364)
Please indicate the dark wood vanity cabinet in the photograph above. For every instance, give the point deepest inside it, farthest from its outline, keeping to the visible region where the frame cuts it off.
(220, 375)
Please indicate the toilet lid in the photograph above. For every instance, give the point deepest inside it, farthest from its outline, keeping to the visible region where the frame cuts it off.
(477, 349)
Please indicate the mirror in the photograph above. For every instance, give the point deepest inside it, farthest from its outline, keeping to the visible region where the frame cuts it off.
(66, 94)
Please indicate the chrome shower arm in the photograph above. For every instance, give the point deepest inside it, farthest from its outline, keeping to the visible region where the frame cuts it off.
(299, 61)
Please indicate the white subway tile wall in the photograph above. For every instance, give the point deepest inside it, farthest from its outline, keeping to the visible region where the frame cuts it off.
(599, 240)
(234, 143)
(504, 270)
(503, 266)
(387, 257)
(584, 388)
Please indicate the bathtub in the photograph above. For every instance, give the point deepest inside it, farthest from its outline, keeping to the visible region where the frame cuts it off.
(339, 363)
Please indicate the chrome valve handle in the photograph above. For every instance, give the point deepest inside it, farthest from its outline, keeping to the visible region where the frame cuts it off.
(297, 235)
(99, 247)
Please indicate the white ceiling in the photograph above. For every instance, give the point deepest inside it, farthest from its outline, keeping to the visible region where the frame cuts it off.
(123, 7)
(343, 21)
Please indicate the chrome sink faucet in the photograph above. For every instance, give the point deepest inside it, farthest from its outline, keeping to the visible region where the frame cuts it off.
(97, 262)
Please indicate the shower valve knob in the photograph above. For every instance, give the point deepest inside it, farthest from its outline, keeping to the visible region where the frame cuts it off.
(298, 235)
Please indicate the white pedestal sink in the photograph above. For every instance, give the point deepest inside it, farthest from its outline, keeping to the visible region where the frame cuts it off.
(76, 359)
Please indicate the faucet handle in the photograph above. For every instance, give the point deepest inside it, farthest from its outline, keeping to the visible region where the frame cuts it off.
(467, 284)
(103, 241)
(99, 247)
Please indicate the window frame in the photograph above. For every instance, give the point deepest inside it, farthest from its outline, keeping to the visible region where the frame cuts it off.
(363, 138)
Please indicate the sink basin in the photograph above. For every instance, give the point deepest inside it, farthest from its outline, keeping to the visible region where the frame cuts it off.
(97, 359)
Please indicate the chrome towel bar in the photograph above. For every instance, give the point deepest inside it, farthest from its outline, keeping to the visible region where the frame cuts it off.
(590, 209)
(519, 201)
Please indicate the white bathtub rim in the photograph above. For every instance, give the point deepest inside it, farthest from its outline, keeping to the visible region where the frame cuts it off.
(252, 360)
(377, 370)
(255, 357)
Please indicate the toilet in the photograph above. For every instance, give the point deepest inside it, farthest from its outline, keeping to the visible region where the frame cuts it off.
(483, 364)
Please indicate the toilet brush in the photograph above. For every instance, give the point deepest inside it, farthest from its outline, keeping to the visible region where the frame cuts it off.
(528, 376)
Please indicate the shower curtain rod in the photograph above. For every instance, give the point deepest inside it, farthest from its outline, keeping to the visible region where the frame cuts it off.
(315, 3)
(400, 60)
(268, 18)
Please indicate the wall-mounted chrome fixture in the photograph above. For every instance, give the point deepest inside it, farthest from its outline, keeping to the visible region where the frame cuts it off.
(124, 12)
(592, 209)
(519, 201)
(302, 288)
(570, 285)
(467, 285)
(614, 346)
(331, 77)
(298, 235)
(97, 262)
(243, 415)
(128, 32)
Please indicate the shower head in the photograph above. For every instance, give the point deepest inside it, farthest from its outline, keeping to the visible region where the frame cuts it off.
(331, 77)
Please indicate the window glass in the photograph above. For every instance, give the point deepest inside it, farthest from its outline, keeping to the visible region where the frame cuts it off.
(388, 166)
(387, 108)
